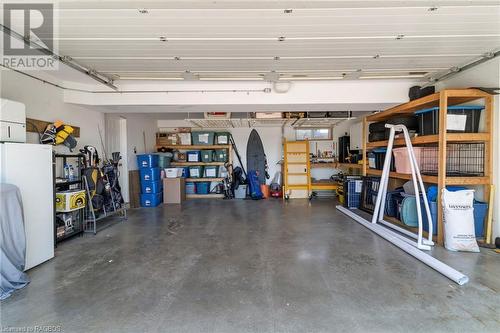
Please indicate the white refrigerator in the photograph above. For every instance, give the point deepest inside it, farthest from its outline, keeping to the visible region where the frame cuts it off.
(29, 167)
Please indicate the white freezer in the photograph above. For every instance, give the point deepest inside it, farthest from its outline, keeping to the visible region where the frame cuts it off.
(29, 167)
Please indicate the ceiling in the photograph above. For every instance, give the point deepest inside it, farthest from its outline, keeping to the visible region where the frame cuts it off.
(315, 39)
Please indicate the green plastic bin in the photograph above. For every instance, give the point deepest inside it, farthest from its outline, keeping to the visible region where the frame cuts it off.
(211, 171)
(195, 171)
(222, 138)
(207, 155)
(220, 155)
(203, 138)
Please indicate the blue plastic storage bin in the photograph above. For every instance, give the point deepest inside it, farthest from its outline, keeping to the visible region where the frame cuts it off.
(147, 161)
(185, 172)
(151, 187)
(193, 156)
(480, 211)
(203, 188)
(150, 174)
(151, 199)
(190, 188)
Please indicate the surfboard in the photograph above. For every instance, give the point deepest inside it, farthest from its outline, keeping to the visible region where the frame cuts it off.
(256, 158)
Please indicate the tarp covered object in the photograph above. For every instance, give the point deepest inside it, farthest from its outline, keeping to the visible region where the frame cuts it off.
(12, 241)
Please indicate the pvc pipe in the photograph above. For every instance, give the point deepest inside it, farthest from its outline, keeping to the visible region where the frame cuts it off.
(403, 231)
(432, 262)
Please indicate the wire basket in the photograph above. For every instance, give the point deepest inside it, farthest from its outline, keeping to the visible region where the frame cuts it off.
(462, 159)
(369, 191)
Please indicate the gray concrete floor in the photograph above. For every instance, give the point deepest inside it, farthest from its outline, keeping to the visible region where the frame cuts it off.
(251, 266)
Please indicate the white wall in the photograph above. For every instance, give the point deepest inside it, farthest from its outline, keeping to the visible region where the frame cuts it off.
(137, 127)
(45, 102)
(485, 75)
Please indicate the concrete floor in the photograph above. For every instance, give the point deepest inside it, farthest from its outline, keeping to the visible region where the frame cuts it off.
(251, 266)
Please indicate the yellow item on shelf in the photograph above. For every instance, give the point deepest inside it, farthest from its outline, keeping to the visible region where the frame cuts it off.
(71, 200)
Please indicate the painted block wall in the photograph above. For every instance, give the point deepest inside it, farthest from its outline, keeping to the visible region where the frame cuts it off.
(45, 102)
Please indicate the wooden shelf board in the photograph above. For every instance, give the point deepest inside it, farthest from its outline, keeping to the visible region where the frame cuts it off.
(186, 147)
(324, 186)
(195, 163)
(194, 180)
(298, 187)
(467, 180)
(425, 178)
(450, 137)
(351, 165)
(434, 179)
(455, 96)
(205, 196)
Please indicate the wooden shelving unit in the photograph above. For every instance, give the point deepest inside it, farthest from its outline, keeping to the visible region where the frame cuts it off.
(205, 196)
(195, 163)
(187, 164)
(194, 147)
(441, 99)
(194, 180)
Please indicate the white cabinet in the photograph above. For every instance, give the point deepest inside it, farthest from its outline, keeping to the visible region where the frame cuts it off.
(356, 136)
(12, 121)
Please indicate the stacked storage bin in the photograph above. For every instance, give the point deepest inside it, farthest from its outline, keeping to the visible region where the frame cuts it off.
(151, 184)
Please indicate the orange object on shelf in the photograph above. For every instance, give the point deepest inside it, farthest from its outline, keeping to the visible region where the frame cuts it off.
(265, 191)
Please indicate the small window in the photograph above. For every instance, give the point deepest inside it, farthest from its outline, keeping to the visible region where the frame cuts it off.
(312, 133)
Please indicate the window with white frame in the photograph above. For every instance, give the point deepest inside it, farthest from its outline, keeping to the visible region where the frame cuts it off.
(313, 133)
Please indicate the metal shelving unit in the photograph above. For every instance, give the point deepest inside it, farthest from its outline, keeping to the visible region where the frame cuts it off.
(76, 184)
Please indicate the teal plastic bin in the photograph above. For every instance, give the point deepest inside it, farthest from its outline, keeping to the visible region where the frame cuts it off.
(207, 155)
(220, 155)
(195, 171)
(203, 138)
(222, 138)
(211, 171)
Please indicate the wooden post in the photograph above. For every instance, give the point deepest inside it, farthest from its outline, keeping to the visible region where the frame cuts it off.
(488, 160)
(365, 156)
(443, 111)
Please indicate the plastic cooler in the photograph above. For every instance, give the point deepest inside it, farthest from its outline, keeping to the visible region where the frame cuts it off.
(240, 192)
(195, 171)
(211, 171)
(193, 156)
(202, 187)
(222, 138)
(203, 138)
(149, 174)
(207, 155)
(220, 155)
(151, 199)
(460, 119)
(147, 161)
(402, 161)
(151, 187)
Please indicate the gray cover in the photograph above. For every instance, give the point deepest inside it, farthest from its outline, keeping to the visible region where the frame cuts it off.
(256, 158)
(12, 241)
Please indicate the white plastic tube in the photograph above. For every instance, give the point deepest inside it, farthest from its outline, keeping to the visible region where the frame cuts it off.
(442, 268)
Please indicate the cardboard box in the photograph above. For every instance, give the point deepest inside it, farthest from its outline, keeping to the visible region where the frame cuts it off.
(174, 190)
(71, 200)
(167, 139)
